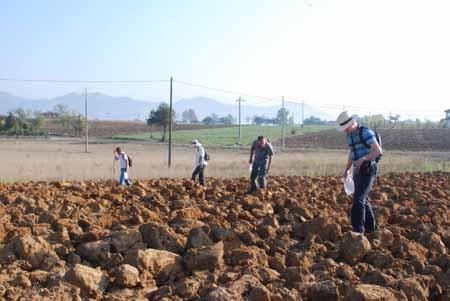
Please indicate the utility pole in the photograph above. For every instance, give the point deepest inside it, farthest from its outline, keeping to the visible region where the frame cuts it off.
(303, 113)
(239, 100)
(283, 120)
(86, 119)
(170, 125)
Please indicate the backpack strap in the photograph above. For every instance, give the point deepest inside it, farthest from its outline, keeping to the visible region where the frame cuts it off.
(361, 136)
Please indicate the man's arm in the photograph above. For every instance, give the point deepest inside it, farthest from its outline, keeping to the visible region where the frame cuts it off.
(269, 164)
(349, 165)
(252, 152)
(375, 151)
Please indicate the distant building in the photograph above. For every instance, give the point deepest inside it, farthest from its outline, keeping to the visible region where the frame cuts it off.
(50, 115)
(447, 119)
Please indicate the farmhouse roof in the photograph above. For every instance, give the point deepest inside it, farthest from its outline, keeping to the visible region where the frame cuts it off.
(446, 111)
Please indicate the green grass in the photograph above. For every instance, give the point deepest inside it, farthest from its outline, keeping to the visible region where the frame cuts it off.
(226, 136)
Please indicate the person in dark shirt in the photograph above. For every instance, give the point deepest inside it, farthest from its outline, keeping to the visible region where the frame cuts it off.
(261, 154)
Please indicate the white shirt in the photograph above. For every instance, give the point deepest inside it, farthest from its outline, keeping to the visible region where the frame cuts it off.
(123, 158)
(200, 156)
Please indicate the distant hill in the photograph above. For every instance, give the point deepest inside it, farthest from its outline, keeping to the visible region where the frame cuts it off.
(106, 107)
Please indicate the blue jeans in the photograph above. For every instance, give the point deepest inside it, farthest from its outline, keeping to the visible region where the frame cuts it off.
(122, 179)
(258, 171)
(363, 219)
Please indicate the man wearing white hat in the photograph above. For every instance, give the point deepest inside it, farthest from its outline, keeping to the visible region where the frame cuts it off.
(201, 158)
(365, 152)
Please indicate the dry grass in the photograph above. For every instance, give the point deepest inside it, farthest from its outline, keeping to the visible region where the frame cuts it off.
(50, 160)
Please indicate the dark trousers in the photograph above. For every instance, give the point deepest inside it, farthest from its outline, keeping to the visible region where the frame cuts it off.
(200, 171)
(363, 219)
(258, 171)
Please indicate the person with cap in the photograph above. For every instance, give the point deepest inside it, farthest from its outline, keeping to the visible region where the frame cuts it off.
(365, 151)
(125, 161)
(201, 158)
(261, 154)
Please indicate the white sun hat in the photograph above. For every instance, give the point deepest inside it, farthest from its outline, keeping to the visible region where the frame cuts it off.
(195, 142)
(344, 121)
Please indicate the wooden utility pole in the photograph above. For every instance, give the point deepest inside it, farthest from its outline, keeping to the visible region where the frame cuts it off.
(239, 100)
(86, 120)
(170, 125)
(283, 120)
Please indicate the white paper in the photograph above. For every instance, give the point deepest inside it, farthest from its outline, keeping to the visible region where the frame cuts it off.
(349, 185)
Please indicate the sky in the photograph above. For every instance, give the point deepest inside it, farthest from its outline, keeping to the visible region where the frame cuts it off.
(369, 57)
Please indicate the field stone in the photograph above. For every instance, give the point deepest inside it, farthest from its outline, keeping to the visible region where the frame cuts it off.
(368, 292)
(353, 247)
(161, 237)
(124, 240)
(161, 264)
(325, 290)
(187, 287)
(127, 276)
(324, 227)
(34, 251)
(198, 238)
(95, 251)
(259, 293)
(221, 294)
(89, 280)
(205, 258)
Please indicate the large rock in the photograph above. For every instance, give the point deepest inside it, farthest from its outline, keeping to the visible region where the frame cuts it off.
(222, 294)
(353, 247)
(90, 281)
(127, 276)
(198, 238)
(95, 251)
(205, 258)
(325, 290)
(161, 264)
(324, 227)
(34, 250)
(368, 292)
(162, 238)
(124, 240)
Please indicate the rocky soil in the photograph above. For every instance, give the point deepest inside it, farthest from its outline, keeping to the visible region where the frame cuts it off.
(172, 240)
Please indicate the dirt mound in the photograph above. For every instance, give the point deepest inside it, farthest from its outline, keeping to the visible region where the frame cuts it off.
(393, 139)
(173, 240)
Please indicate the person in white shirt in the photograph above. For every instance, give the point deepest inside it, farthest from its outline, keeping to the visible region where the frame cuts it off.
(200, 162)
(122, 157)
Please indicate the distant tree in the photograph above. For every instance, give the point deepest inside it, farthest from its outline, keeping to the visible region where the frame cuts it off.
(189, 116)
(314, 121)
(282, 115)
(259, 120)
(208, 120)
(227, 120)
(161, 116)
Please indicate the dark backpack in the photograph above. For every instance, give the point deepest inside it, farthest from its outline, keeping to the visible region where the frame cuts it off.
(364, 142)
(207, 157)
(130, 161)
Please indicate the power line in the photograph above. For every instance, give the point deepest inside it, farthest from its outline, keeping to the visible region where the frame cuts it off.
(227, 91)
(83, 81)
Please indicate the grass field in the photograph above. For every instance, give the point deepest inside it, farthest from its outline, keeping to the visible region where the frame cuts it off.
(56, 160)
(226, 136)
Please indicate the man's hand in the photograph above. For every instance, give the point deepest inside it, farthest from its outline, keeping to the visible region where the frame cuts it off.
(345, 174)
(267, 170)
(359, 162)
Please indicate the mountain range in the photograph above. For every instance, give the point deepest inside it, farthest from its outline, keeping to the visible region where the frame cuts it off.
(106, 107)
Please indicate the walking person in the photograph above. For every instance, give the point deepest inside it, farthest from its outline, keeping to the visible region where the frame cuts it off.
(261, 154)
(365, 152)
(201, 158)
(125, 162)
